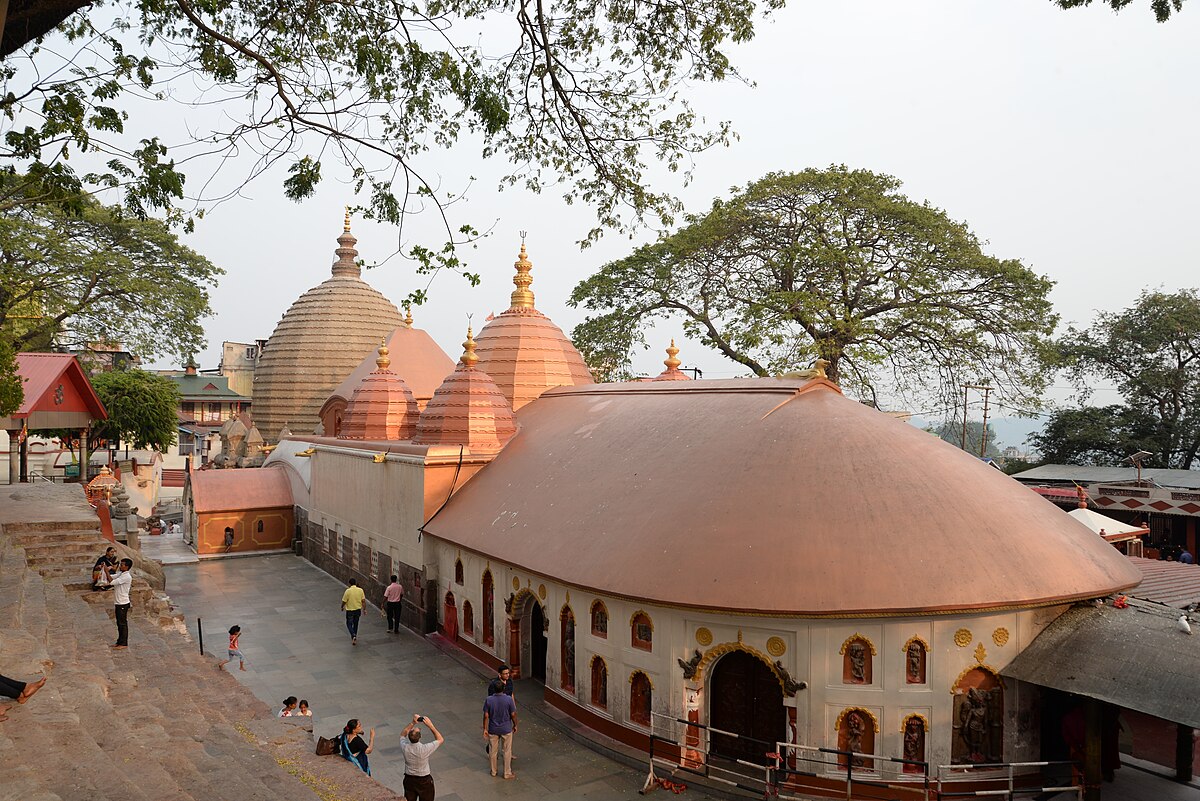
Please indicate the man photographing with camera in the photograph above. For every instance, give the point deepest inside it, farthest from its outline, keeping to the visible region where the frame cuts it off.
(418, 783)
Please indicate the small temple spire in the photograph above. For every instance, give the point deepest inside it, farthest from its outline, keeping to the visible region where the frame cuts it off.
(469, 359)
(383, 362)
(408, 318)
(671, 362)
(347, 261)
(522, 296)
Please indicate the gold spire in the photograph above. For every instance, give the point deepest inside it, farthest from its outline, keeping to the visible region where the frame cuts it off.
(408, 321)
(671, 362)
(469, 359)
(522, 296)
(346, 224)
(383, 362)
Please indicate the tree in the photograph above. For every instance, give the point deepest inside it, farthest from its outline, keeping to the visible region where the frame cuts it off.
(579, 94)
(99, 276)
(11, 391)
(1162, 8)
(834, 264)
(1151, 351)
(142, 408)
(950, 431)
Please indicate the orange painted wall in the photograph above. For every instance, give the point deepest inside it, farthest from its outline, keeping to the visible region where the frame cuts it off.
(278, 528)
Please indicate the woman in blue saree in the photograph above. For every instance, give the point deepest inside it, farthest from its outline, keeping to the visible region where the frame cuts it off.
(352, 746)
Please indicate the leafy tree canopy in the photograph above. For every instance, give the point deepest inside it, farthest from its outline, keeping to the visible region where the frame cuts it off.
(99, 276)
(576, 94)
(141, 408)
(836, 264)
(11, 391)
(1151, 351)
(1162, 8)
(951, 431)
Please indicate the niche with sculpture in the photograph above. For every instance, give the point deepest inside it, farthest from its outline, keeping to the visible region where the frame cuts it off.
(978, 718)
(857, 660)
(914, 730)
(916, 654)
(856, 729)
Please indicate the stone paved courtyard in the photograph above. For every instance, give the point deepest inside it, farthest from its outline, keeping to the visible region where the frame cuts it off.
(295, 639)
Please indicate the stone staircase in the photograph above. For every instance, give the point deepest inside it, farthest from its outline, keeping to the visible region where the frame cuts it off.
(157, 722)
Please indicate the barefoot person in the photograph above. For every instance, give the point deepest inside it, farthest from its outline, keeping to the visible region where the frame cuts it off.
(18, 690)
(235, 634)
(418, 781)
(354, 748)
(103, 569)
(120, 584)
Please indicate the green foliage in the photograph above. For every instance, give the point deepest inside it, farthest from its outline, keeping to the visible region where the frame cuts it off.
(97, 275)
(582, 98)
(141, 408)
(1162, 8)
(1151, 351)
(951, 431)
(838, 264)
(12, 394)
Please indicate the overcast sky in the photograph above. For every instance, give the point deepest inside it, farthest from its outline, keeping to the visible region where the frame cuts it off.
(1064, 139)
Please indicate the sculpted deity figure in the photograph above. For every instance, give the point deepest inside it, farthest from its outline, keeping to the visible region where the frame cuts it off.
(914, 740)
(973, 723)
(855, 727)
(916, 659)
(858, 658)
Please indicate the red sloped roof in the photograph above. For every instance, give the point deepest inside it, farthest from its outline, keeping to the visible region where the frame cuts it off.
(43, 372)
(240, 490)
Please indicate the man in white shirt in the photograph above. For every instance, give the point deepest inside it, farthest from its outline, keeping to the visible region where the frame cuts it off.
(418, 783)
(120, 585)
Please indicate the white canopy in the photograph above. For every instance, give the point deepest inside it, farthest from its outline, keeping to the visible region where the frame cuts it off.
(1112, 530)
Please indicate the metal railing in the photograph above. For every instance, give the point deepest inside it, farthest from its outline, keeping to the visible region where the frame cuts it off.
(1005, 785)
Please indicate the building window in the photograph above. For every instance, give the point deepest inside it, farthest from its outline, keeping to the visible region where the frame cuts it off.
(599, 683)
(567, 630)
(189, 407)
(641, 631)
(599, 619)
(640, 691)
(489, 609)
(458, 571)
(468, 619)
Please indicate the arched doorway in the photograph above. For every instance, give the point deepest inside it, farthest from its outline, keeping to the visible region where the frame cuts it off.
(744, 697)
(537, 641)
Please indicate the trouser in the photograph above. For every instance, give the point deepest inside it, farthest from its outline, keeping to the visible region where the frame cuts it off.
(418, 788)
(352, 621)
(122, 624)
(393, 615)
(495, 741)
(11, 687)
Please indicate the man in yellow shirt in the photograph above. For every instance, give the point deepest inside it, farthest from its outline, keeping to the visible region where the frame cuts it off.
(352, 603)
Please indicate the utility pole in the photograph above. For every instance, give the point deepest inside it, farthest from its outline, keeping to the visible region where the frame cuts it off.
(983, 434)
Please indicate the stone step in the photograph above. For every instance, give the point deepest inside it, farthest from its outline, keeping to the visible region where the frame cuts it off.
(43, 526)
(65, 548)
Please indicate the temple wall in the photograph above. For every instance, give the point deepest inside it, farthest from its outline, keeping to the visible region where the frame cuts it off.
(809, 650)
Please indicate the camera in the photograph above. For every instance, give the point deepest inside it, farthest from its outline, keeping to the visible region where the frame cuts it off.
(420, 718)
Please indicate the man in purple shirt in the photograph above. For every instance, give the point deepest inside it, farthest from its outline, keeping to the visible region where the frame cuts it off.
(499, 723)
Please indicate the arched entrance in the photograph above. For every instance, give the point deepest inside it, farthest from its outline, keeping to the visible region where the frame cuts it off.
(744, 697)
(537, 641)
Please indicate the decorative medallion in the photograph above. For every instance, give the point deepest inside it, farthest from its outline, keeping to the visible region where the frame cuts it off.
(59, 397)
(980, 653)
(776, 646)
(542, 591)
(516, 583)
(704, 636)
(1000, 636)
(962, 638)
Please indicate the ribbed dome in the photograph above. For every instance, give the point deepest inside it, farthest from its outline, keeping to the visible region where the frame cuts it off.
(324, 335)
(524, 352)
(672, 373)
(467, 409)
(382, 407)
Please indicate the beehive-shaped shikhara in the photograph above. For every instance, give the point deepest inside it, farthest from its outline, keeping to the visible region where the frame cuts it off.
(467, 409)
(382, 407)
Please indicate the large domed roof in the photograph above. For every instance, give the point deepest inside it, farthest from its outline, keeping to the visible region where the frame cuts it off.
(778, 496)
(324, 335)
(467, 409)
(523, 351)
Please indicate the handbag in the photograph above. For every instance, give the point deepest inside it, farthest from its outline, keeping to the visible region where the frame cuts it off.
(324, 746)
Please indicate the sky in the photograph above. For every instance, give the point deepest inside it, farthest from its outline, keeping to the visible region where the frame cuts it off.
(1064, 139)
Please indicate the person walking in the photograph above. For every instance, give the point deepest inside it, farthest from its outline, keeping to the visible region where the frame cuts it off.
(503, 683)
(499, 725)
(235, 633)
(418, 781)
(353, 747)
(20, 691)
(352, 604)
(391, 599)
(120, 585)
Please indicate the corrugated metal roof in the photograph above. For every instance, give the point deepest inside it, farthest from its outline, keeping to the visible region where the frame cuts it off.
(41, 371)
(1171, 583)
(1135, 658)
(1078, 474)
(197, 387)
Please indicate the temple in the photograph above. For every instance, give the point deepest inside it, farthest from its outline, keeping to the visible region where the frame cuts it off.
(762, 556)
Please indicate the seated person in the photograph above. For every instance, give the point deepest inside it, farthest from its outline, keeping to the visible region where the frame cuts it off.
(101, 578)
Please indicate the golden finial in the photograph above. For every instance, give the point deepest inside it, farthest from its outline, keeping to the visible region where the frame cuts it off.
(408, 321)
(469, 358)
(346, 223)
(383, 362)
(672, 363)
(522, 296)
